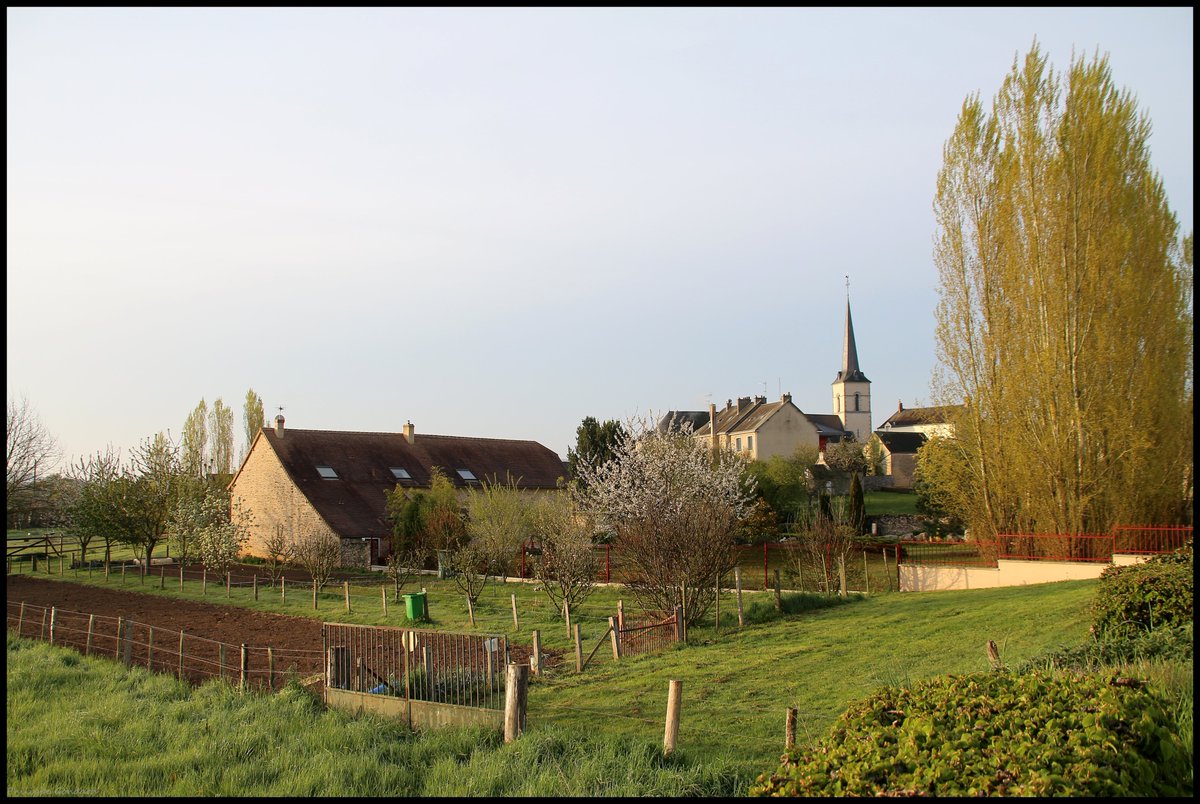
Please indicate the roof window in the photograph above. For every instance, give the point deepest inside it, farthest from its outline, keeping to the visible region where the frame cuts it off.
(327, 472)
(400, 473)
(467, 475)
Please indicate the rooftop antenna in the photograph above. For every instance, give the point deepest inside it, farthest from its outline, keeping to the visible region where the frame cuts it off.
(847, 287)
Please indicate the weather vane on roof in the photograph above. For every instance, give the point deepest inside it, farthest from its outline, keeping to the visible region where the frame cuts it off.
(847, 286)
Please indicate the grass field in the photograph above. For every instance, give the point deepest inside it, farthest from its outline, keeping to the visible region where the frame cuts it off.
(88, 725)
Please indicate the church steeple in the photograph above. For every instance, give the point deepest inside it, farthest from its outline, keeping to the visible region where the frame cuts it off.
(851, 388)
(850, 371)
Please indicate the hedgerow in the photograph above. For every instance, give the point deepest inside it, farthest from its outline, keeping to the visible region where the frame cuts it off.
(996, 734)
(1170, 643)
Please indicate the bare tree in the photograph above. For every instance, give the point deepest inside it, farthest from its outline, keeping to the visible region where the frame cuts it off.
(401, 567)
(568, 563)
(319, 552)
(497, 525)
(31, 449)
(280, 551)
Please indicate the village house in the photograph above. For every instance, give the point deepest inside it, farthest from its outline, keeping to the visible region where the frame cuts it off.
(314, 479)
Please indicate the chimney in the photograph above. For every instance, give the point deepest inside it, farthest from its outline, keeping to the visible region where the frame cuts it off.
(712, 427)
(743, 402)
(786, 397)
(408, 432)
(279, 426)
(901, 408)
(760, 400)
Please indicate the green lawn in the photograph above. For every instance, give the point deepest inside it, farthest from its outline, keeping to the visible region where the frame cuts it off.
(890, 502)
(737, 686)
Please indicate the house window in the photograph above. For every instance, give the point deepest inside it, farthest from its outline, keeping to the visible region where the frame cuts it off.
(467, 475)
(750, 443)
(739, 444)
(856, 402)
(327, 472)
(400, 474)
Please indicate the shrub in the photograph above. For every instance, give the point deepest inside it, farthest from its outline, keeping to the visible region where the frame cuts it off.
(996, 734)
(1143, 597)
(1170, 643)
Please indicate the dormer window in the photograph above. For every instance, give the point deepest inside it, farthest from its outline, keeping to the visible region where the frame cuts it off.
(468, 475)
(400, 473)
(327, 472)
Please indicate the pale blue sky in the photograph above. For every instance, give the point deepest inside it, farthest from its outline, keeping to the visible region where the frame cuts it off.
(497, 222)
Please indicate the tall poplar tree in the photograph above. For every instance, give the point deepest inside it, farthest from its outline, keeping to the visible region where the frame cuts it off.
(252, 416)
(221, 429)
(1064, 321)
(194, 444)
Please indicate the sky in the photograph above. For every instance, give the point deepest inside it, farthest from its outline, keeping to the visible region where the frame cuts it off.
(495, 223)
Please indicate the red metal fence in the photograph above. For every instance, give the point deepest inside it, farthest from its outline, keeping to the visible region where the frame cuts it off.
(1085, 547)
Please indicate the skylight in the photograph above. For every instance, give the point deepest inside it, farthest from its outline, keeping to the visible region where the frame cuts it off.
(327, 472)
(401, 474)
(466, 474)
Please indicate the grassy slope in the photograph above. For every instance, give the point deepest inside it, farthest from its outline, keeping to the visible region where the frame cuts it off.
(735, 692)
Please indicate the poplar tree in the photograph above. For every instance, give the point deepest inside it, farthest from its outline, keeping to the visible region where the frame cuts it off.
(221, 430)
(194, 443)
(1064, 321)
(252, 416)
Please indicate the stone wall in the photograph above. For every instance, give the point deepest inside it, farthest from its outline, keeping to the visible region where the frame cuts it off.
(897, 524)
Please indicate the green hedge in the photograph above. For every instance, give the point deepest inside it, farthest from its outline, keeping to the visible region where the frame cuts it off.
(996, 734)
(1143, 597)
(1169, 643)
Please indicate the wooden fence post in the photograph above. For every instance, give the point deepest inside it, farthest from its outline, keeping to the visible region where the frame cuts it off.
(53, 611)
(678, 623)
(314, 594)
(256, 587)
(122, 572)
(42, 633)
(866, 574)
(162, 577)
(181, 654)
(221, 660)
(107, 569)
(621, 614)
(516, 625)
(737, 580)
(717, 603)
(228, 583)
(778, 593)
(516, 694)
(181, 577)
(535, 658)
(21, 621)
(427, 663)
(128, 642)
(671, 735)
(578, 650)
(383, 596)
(283, 588)
(841, 561)
(117, 649)
(204, 581)
(150, 649)
(346, 590)
(270, 668)
(616, 638)
(471, 611)
(245, 667)
(87, 649)
(789, 734)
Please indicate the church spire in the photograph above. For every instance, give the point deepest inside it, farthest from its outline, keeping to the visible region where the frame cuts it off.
(850, 371)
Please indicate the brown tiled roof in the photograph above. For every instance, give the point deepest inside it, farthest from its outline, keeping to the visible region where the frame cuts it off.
(354, 504)
(912, 416)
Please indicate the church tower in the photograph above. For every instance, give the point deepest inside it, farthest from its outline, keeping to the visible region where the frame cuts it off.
(851, 388)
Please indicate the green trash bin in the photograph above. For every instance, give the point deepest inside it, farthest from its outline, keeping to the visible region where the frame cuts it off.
(414, 605)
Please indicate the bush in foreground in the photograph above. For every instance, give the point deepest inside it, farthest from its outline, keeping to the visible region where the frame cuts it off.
(1143, 597)
(996, 734)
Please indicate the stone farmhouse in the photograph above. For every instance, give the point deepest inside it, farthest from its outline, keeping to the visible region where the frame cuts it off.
(316, 479)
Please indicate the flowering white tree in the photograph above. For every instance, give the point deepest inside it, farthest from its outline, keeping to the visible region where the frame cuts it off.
(674, 507)
(212, 525)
